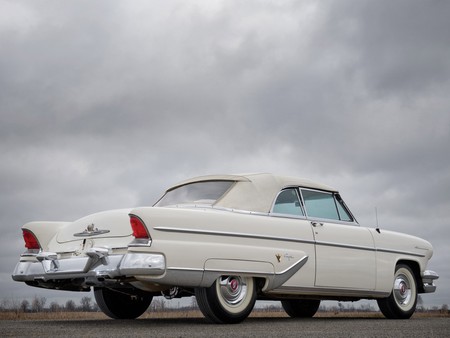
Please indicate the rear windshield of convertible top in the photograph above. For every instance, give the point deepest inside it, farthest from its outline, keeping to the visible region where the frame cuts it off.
(206, 192)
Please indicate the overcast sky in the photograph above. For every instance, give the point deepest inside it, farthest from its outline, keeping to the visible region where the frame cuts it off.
(105, 104)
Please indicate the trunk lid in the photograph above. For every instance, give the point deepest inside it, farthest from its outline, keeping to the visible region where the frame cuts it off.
(112, 224)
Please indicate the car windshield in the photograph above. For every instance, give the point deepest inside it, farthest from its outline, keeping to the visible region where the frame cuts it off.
(206, 192)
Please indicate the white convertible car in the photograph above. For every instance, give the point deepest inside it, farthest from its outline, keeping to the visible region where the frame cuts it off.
(229, 240)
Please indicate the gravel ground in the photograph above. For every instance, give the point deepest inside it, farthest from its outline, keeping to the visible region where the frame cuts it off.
(252, 327)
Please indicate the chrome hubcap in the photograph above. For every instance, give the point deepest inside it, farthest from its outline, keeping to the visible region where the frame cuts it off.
(232, 289)
(402, 290)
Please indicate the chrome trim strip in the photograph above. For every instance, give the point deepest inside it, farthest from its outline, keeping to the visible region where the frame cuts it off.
(240, 211)
(298, 264)
(368, 248)
(286, 239)
(215, 207)
(174, 268)
(346, 246)
(238, 271)
(409, 253)
(140, 242)
(232, 234)
(317, 291)
(283, 276)
(278, 215)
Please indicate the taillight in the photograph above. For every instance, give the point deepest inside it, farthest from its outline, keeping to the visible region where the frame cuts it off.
(139, 228)
(30, 239)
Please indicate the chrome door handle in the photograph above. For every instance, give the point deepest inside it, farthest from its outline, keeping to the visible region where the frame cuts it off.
(316, 224)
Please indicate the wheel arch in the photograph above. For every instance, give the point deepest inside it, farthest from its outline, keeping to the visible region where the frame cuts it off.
(259, 283)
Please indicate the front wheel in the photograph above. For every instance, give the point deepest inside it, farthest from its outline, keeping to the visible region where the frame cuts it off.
(401, 303)
(229, 300)
(301, 308)
(120, 304)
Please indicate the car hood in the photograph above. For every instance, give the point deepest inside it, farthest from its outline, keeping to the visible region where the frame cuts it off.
(106, 224)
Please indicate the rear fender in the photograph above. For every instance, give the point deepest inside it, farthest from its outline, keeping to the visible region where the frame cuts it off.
(44, 231)
(214, 268)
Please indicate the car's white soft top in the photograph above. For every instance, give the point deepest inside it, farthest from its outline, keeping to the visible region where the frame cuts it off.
(254, 192)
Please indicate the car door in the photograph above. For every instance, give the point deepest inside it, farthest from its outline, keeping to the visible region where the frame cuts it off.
(292, 223)
(345, 252)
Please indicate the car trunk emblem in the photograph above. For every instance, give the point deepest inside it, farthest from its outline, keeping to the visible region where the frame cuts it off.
(90, 231)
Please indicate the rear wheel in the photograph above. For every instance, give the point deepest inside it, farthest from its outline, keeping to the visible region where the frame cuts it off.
(120, 303)
(301, 308)
(401, 304)
(229, 300)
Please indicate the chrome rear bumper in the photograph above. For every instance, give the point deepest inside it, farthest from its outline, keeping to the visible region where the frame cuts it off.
(46, 266)
(98, 267)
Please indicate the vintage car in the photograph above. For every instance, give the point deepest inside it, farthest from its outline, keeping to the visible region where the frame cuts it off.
(229, 240)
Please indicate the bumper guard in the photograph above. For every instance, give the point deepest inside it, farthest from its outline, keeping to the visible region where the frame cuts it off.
(428, 278)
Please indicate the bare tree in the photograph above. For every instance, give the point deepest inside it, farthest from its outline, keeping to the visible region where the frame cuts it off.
(86, 304)
(70, 305)
(38, 303)
(25, 306)
(55, 307)
(10, 304)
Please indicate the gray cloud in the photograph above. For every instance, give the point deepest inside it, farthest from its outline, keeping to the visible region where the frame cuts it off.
(104, 105)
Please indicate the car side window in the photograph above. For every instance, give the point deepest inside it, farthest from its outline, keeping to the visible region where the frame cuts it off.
(320, 204)
(343, 213)
(288, 202)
